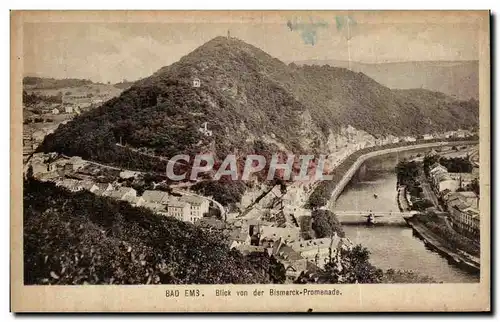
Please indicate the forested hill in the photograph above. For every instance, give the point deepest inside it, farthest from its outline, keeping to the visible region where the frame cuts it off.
(250, 99)
(82, 238)
(458, 79)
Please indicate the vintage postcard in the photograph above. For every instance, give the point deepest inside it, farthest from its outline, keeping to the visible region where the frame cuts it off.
(250, 161)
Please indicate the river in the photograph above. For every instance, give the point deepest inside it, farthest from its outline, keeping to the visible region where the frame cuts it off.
(392, 246)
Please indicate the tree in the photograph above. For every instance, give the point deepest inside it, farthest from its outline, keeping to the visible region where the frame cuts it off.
(29, 173)
(326, 224)
(475, 186)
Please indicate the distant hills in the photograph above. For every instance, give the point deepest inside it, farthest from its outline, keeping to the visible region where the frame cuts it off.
(31, 82)
(46, 83)
(251, 102)
(459, 79)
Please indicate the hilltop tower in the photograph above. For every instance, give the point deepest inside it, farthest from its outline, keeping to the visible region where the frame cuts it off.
(228, 34)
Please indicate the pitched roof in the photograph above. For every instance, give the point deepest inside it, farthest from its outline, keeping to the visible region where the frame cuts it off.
(238, 235)
(305, 245)
(154, 196)
(87, 185)
(154, 206)
(177, 204)
(468, 194)
(70, 184)
(247, 249)
(288, 234)
(119, 193)
(288, 253)
(193, 200)
(210, 222)
(132, 199)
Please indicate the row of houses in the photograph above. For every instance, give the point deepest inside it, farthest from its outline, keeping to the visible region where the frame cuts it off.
(464, 212)
(444, 182)
(187, 208)
(463, 206)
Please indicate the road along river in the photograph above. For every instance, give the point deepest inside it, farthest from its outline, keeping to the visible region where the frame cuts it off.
(391, 246)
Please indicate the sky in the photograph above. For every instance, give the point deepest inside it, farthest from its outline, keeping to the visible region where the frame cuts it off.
(131, 50)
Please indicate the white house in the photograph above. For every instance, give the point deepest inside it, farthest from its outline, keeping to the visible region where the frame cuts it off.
(55, 111)
(121, 193)
(197, 206)
(204, 129)
(179, 210)
(196, 82)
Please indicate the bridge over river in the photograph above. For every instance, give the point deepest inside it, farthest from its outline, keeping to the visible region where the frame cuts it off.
(383, 218)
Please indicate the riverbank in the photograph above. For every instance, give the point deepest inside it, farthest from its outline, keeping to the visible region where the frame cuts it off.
(402, 200)
(436, 243)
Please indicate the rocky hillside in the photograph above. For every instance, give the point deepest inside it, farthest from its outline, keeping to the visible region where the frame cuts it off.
(249, 99)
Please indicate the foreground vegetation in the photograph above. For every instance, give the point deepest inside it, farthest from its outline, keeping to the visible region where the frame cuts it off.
(353, 266)
(77, 238)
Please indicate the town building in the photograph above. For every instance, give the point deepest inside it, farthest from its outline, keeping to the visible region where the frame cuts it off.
(197, 206)
(103, 188)
(180, 210)
(89, 186)
(272, 234)
(121, 193)
(155, 196)
(72, 185)
(319, 250)
(238, 237)
(464, 218)
(155, 207)
(135, 201)
(127, 174)
(204, 130)
(448, 184)
(464, 178)
(293, 262)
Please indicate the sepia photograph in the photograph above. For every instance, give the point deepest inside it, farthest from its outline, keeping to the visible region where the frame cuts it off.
(251, 154)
